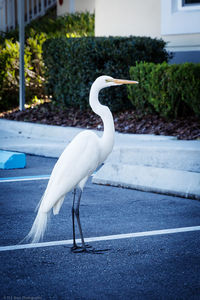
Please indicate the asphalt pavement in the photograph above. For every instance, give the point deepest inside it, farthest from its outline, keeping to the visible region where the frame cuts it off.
(151, 265)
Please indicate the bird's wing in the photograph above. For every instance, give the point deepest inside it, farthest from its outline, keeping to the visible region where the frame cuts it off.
(78, 161)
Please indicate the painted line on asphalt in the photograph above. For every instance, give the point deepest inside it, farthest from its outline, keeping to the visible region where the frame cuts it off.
(24, 178)
(27, 178)
(102, 238)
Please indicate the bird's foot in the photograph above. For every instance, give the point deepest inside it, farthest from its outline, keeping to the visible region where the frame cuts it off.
(86, 249)
(80, 249)
(76, 248)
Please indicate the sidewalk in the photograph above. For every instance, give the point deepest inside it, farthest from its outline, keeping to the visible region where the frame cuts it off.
(146, 162)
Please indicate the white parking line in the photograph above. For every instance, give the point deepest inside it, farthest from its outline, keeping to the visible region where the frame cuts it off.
(24, 178)
(103, 238)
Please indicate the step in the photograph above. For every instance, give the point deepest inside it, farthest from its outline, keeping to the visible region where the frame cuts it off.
(179, 155)
(150, 179)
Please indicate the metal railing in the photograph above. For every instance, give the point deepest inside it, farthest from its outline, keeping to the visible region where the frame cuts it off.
(32, 10)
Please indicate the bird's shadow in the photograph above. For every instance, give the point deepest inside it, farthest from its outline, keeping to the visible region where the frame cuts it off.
(96, 251)
(88, 251)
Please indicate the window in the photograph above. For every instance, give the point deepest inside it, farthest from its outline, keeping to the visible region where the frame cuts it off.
(190, 2)
(189, 5)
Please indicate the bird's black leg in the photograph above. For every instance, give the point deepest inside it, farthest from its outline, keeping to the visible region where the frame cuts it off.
(78, 218)
(73, 221)
(75, 212)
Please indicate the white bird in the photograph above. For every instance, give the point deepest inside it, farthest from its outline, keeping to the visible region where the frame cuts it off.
(78, 161)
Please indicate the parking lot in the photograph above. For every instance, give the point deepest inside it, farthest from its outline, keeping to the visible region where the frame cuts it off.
(136, 260)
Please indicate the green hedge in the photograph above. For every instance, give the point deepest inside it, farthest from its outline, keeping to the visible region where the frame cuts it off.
(170, 90)
(73, 64)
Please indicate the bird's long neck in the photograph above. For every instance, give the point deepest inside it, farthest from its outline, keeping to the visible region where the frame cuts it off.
(107, 140)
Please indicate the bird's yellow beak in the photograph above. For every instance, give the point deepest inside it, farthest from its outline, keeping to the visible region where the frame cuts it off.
(122, 81)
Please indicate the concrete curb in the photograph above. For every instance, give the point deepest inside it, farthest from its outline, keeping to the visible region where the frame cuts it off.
(53, 132)
(158, 180)
(184, 156)
(34, 130)
(171, 167)
(160, 164)
(50, 141)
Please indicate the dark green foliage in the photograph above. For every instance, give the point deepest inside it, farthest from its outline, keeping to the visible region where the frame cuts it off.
(9, 76)
(75, 25)
(170, 90)
(139, 95)
(78, 24)
(73, 64)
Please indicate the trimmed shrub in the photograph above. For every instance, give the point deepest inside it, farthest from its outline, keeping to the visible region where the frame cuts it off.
(73, 64)
(170, 90)
(139, 94)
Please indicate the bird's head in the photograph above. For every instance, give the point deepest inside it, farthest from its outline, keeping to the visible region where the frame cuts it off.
(107, 81)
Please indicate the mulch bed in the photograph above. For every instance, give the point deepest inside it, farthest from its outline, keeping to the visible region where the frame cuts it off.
(126, 122)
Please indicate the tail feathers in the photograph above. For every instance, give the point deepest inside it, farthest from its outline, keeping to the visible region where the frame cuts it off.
(38, 205)
(39, 226)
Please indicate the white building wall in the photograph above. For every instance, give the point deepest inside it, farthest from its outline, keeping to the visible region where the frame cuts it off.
(85, 5)
(69, 6)
(127, 17)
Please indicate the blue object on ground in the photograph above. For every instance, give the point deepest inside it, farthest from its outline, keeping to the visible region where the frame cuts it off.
(12, 160)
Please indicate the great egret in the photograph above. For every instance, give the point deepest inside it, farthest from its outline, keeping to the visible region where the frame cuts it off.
(77, 162)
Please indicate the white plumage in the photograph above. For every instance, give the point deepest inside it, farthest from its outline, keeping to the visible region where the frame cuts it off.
(77, 162)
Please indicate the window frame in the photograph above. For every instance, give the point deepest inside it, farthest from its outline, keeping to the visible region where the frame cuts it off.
(182, 6)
